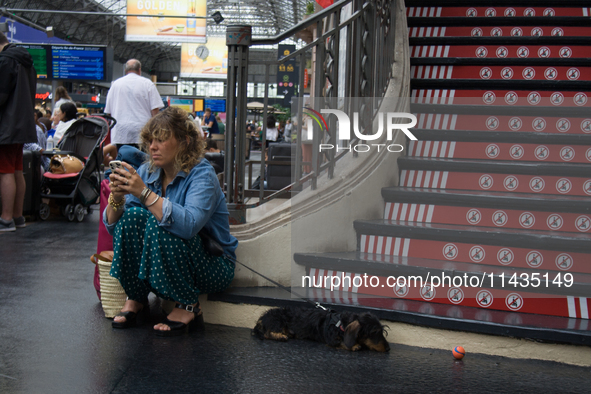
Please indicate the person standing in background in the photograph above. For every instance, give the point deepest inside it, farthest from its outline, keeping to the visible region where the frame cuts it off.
(17, 99)
(132, 101)
(221, 125)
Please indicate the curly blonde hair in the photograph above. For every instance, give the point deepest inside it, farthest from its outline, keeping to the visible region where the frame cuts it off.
(175, 122)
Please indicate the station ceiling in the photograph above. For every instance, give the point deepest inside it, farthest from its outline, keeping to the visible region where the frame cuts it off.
(268, 18)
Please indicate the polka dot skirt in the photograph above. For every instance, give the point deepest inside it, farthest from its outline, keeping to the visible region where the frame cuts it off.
(148, 259)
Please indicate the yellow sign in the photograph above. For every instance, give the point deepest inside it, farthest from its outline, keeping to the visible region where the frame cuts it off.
(162, 28)
(205, 60)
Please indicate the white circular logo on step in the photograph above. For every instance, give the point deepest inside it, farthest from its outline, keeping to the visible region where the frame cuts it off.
(490, 12)
(511, 97)
(485, 73)
(515, 123)
(492, 123)
(476, 32)
(544, 52)
(473, 216)
(580, 99)
(556, 98)
(563, 125)
(516, 152)
(527, 219)
(588, 154)
(534, 259)
(514, 301)
(481, 52)
(489, 97)
(510, 11)
(522, 52)
(401, 290)
(517, 32)
(471, 12)
(534, 98)
(511, 183)
(496, 32)
(549, 12)
(550, 73)
(485, 181)
(529, 12)
(564, 261)
(537, 184)
(586, 126)
(539, 124)
(554, 221)
(450, 251)
(500, 218)
(587, 187)
(502, 52)
(563, 185)
(537, 32)
(567, 153)
(541, 152)
(428, 292)
(583, 223)
(477, 254)
(484, 298)
(565, 52)
(505, 256)
(455, 295)
(528, 73)
(557, 32)
(573, 74)
(507, 73)
(492, 151)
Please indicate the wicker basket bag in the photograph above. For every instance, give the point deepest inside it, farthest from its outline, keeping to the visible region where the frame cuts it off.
(112, 294)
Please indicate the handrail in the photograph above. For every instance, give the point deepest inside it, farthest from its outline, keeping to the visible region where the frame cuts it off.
(353, 53)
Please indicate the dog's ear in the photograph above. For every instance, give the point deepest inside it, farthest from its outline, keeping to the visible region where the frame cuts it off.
(351, 334)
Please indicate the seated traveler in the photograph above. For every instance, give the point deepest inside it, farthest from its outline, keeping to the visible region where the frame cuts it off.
(155, 215)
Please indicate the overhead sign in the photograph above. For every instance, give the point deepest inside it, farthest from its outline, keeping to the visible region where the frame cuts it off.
(18, 33)
(287, 74)
(208, 60)
(163, 28)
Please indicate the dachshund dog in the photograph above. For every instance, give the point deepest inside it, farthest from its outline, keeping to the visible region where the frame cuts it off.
(343, 330)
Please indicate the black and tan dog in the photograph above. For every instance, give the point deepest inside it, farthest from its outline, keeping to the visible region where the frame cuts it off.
(343, 330)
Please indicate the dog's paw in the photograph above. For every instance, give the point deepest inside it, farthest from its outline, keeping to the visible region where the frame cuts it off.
(356, 347)
(277, 336)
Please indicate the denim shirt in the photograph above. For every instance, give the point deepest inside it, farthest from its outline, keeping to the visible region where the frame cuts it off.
(193, 200)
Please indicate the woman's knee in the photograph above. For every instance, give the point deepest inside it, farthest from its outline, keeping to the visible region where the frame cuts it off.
(134, 217)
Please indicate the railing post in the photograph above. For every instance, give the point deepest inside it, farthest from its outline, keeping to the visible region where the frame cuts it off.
(238, 39)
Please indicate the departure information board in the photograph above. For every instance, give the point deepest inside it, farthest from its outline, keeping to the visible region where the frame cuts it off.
(72, 62)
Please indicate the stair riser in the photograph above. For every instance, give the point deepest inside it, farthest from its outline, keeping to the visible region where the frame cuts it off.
(571, 186)
(499, 31)
(504, 123)
(494, 255)
(496, 11)
(486, 217)
(492, 73)
(477, 297)
(509, 51)
(500, 151)
(500, 97)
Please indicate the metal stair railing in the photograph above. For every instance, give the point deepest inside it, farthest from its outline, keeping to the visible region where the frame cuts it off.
(357, 31)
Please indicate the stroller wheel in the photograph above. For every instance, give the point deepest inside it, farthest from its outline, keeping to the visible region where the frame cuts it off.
(69, 212)
(44, 211)
(79, 211)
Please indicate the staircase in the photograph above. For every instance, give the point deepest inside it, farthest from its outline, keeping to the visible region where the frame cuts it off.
(496, 190)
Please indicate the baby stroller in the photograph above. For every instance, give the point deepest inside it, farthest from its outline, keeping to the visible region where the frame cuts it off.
(75, 193)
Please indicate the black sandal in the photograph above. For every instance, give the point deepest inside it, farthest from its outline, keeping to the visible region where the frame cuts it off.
(178, 328)
(131, 318)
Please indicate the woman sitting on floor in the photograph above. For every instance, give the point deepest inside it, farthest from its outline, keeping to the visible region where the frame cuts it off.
(155, 215)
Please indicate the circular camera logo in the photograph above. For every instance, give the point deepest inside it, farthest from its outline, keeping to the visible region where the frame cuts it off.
(556, 98)
(522, 52)
(489, 97)
(514, 301)
(484, 298)
(505, 256)
(534, 259)
(515, 123)
(455, 295)
(537, 184)
(492, 151)
(564, 261)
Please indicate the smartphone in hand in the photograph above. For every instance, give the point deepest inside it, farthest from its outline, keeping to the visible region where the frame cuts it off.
(114, 164)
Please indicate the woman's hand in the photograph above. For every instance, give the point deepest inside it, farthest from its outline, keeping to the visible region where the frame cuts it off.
(126, 182)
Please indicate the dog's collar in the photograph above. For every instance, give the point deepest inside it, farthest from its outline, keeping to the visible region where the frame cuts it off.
(335, 319)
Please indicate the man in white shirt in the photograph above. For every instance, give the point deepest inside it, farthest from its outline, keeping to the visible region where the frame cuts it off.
(132, 101)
